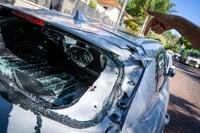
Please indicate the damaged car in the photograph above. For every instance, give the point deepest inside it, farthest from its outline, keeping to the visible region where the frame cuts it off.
(64, 74)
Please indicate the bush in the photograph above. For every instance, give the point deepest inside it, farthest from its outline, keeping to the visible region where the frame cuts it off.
(131, 25)
(93, 4)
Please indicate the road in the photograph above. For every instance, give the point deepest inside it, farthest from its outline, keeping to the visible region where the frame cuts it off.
(184, 104)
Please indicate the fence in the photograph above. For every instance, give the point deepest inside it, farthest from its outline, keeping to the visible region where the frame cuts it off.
(71, 6)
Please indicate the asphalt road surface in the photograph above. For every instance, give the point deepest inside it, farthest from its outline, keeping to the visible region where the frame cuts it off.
(184, 104)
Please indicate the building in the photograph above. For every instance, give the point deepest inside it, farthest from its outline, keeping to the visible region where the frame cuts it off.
(111, 8)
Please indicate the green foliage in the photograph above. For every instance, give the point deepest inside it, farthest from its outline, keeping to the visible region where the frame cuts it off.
(196, 51)
(168, 39)
(93, 4)
(171, 41)
(186, 52)
(174, 48)
(131, 25)
(137, 8)
(159, 37)
(171, 8)
(185, 42)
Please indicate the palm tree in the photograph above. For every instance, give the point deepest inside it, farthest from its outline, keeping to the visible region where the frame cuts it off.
(157, 5)
(138, 9)
(171, 8)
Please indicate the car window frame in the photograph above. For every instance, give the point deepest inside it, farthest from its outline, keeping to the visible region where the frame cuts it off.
(161, 63)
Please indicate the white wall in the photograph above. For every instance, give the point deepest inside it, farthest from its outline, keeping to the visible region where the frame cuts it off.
(113, 13)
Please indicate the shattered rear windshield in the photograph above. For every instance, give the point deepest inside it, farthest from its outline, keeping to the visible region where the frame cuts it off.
(47, 64)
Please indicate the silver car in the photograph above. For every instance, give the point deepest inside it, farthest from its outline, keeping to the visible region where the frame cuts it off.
(66, 75)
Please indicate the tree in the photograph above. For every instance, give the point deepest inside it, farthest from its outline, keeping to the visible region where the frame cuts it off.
(171, 38)
(137, 8)
(131, 25)
(93, 4)
(171, 41)
(185, 42)
(171, 8)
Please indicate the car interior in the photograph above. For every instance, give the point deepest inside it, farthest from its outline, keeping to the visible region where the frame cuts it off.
(42, 62)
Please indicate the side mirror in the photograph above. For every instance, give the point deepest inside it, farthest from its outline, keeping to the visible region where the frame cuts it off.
(171, 72)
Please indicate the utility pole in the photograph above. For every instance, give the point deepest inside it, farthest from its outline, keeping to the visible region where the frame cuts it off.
(121, 12)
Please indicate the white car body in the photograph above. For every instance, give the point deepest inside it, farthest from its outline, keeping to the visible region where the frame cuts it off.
(130, 94)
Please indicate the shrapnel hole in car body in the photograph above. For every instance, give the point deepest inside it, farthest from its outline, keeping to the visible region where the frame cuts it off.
(41, 58)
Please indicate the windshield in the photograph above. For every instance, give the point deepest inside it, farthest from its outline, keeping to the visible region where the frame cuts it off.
(195, 55)
(45, 69)
(48, 64)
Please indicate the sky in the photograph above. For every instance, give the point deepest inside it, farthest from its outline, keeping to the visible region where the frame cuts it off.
(189, 9)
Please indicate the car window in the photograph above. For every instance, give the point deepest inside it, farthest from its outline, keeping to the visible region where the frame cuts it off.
(52, 66)
(195, 55)
(160, 69)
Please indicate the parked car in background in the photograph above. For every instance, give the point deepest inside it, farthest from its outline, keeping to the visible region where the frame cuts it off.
(64, 74)
(191, 57)
(170, 52)
(177, 56)
(170, 66)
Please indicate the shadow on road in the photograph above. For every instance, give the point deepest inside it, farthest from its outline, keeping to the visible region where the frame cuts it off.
(184, 116)
(185, 105)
